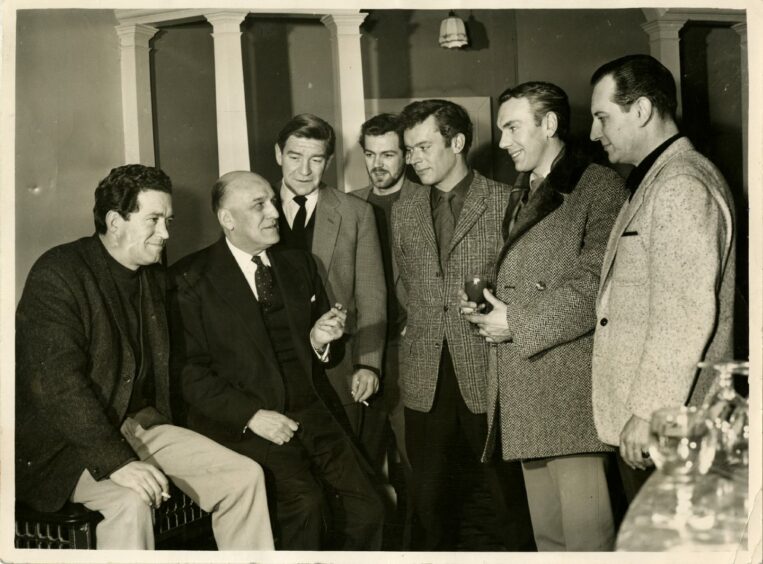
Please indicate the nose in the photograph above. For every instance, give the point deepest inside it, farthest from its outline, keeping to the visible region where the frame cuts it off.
(271, 210)
(162, 230)
(413, 157)
(377, 161)
(505, 141)
(304, 167)
(595, 130)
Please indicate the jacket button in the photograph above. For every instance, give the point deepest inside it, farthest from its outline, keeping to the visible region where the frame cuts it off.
(603, 321)
(540, 286)
(438, 274)
(127, 379)
(28, 462)
(445, 308)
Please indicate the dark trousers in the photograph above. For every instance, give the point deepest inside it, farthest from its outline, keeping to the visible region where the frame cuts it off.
(317, 469)
(460, 503)
(631, 479)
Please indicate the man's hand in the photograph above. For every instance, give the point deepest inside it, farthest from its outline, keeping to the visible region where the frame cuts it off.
(634, 443)
(329, 327)
(365, 383)
(493, 326)
(273, 426)
(144, 479)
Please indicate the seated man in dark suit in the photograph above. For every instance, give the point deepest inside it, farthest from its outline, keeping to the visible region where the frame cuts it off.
(252, 322)
(92, 383)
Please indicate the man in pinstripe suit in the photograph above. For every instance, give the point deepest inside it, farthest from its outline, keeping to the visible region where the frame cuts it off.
(442, 232)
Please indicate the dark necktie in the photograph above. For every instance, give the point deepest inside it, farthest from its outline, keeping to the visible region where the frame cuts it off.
(263, 281)
(298, 225)
(444, 224)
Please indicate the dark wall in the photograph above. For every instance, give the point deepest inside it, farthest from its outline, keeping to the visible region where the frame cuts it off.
(185, 129)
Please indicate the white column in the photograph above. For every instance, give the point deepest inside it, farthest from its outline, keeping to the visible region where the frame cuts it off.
(232, 138)
(741, 29)
(349, 103)
(137, 112)
(664, 46)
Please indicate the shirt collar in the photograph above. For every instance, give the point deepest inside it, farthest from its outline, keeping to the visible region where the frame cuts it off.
(287, 195)
(243, 258)
(637, 174)
(459, 190)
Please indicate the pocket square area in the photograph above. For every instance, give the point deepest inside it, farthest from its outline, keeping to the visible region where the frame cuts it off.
(630, 234)
(312, 299)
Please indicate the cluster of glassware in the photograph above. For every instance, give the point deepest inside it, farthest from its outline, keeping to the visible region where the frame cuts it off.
(685, 442)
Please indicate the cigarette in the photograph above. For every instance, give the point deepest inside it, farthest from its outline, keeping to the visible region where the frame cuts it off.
(165, 495)
(364, 402)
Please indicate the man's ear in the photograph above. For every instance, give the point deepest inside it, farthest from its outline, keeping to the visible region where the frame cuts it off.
(550, 123)
(113, 221)
(457, 142)
(225, 219)
(279, 155)
(644, 110)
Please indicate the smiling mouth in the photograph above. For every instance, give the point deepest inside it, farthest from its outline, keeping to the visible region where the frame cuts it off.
(515, 154)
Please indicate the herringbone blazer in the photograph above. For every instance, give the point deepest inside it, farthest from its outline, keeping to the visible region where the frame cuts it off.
(548, 275)
(433, 295)
(667, 292)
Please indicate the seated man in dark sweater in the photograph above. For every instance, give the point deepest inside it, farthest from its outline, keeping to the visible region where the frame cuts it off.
(252, 324)
(93, 422)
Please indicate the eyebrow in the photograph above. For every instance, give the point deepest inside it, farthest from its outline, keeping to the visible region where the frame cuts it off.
(510, 122)
(600, 112)
(300, 153)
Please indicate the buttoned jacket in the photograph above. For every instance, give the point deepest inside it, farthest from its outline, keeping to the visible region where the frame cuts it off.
(433, 300)
(547, 273)
(667, 292)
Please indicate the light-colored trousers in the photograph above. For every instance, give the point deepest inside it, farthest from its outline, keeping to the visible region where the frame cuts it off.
(220, 481)
(569, 503)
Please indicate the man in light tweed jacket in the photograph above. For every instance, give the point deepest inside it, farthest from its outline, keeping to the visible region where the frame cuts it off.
(539, 397)
(442, 232)
(666, 296)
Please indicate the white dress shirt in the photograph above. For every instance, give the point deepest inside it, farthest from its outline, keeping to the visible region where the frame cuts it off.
(290, 207)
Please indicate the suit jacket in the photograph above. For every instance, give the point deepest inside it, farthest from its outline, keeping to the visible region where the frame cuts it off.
(433, 295)
(221, 349)
(548, 274)
(346, 249)
(75, 369)
(667, 291)
(399, 287)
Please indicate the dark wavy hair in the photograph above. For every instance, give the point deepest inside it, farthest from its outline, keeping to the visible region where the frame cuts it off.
(451, 119)
(544, 97)
(381, 125)
(640, 75)
(308, 126)
(120, 189)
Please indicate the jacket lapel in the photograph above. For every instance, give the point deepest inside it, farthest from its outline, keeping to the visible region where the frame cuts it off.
(422, 213)
(327, 223)
(474, 207)
(543, 202)
(226, 277)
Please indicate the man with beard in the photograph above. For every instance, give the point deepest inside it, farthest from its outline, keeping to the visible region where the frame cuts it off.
(384, 154)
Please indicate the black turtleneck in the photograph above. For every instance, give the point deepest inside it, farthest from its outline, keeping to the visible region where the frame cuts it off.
(637, 174)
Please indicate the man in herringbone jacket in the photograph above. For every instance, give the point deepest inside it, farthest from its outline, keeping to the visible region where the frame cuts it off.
(539, 402)
(442, 232)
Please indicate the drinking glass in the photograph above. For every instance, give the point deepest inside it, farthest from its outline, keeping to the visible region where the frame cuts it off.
(682, 445)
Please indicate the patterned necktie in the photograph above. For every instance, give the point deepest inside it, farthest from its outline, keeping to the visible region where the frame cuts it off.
(263, 281)
(444, 225)
(298, 225)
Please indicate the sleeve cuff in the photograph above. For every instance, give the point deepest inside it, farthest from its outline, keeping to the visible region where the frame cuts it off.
(367, 367)
(323, 356)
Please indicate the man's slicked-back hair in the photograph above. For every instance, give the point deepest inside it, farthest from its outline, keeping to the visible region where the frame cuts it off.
(308, 126)
(381, 125)
(120, 189)
(451, 119)
(640, 75)
(544, 97)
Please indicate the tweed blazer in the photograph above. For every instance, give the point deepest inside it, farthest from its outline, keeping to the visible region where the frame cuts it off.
(346, 249)
(667, 291)
(548, 275)
(433, 295)
(75, 369)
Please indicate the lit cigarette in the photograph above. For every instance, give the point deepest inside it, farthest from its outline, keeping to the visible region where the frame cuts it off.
(165, 495)
(364, 402)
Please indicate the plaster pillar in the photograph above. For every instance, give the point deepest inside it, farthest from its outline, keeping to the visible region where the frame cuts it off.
(664, 45)
(137, 111)
(741, 29)
(232, 138)
(349, 99)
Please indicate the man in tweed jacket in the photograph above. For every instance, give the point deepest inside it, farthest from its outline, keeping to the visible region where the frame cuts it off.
(667, 283)
(437, 243)
(560, 214)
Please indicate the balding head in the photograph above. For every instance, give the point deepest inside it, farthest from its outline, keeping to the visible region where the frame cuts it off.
(245, 206)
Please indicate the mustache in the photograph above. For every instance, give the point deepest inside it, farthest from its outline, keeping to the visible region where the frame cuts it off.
(379, 169)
